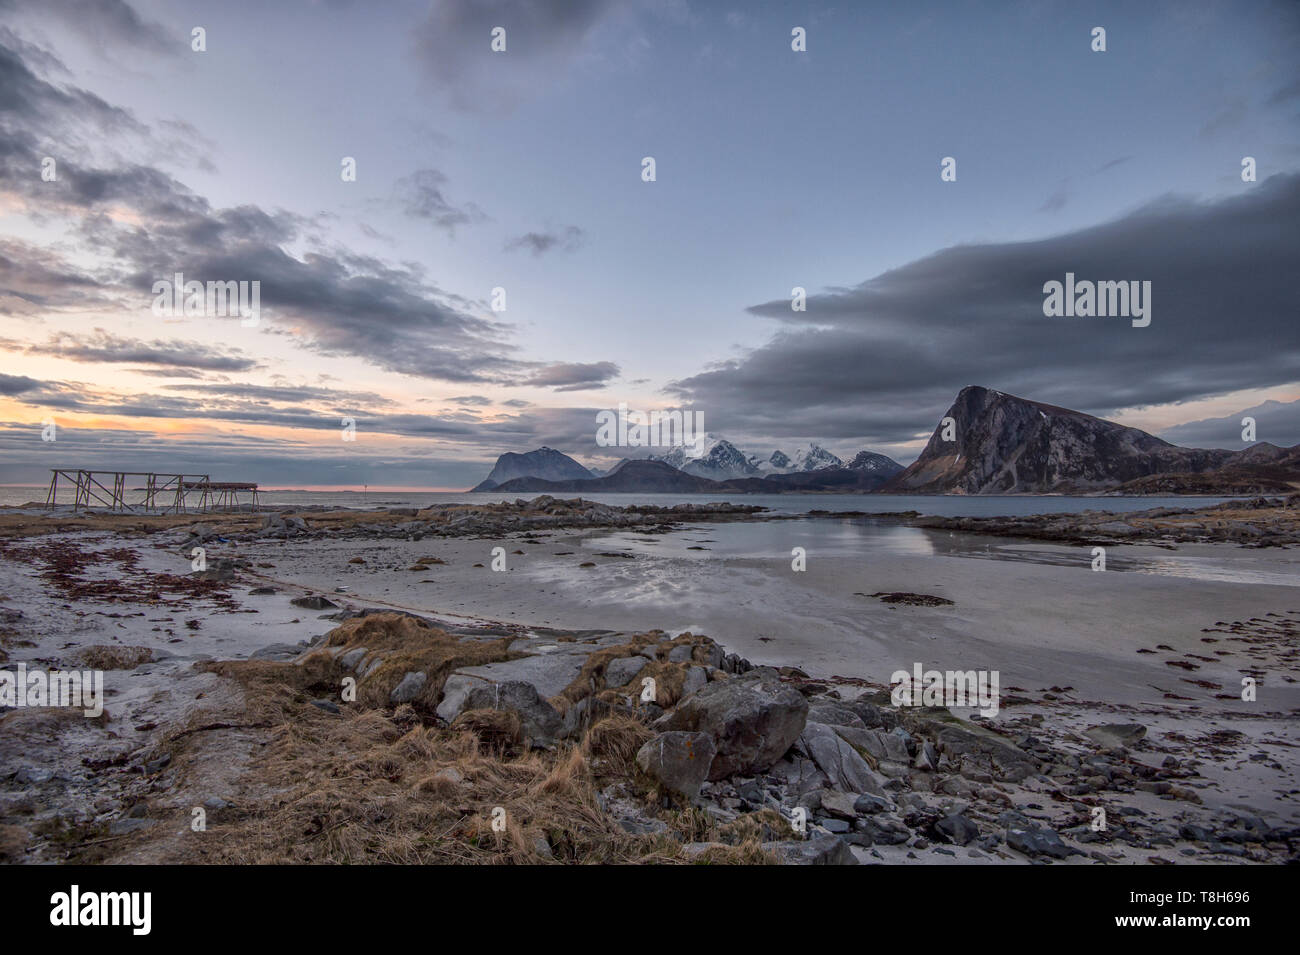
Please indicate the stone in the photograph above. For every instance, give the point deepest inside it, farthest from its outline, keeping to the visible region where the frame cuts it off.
(279, 652)
(1037, 841)
(842, 805)
(678, 760)
(956, 829)
(329, 706)
(313, 602)
(697, 678)
(540, 721)
(838, 760)
(819, 850)
(1116, 735)
(622, 671)
(868, 804)
(753, 720)
(408, 688)
(350, 659)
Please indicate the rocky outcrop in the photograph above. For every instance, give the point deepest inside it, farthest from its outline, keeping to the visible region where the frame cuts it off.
(545, 464)
(753, 720)
(1002, 444)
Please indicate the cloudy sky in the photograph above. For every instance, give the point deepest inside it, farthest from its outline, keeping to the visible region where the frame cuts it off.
(522, 170)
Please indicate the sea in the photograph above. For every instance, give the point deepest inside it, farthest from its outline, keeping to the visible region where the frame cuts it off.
(941, 505)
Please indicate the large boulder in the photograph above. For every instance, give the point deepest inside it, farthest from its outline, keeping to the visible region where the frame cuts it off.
(847, 771)
(753, 720)
(540, 721)
(677, 760)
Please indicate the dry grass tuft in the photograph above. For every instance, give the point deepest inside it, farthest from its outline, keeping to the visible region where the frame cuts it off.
(108, 657)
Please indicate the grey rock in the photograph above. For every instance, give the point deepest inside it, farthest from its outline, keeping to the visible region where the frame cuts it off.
(313, 602)
(540, 721)
(696, 679)
(329, 706)
(276, 651)
(678, 760)
(409, 687)
(819, 850)
(956, 829)
(753, 720)
(1116, 735)
(1037, 841)
(838, 760)
(350, 659)
(622, 671)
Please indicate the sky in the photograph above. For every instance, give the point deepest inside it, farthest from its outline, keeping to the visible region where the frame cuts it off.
(522, 170)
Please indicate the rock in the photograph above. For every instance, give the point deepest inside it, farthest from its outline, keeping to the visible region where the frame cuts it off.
(1036, 841)
(1116, 735)
(120, 827)
(681, 654)
(313, 602)
(956, 829)
(262, 591)
(926, 757)
(353, 657)
(819, 850)
(454, 693)
(329, 706)
(276, 651)
(841, 805)
(884, 830)
(753, 720)
(838, 760)
(697, 678)
(408, 688)
(834, 714)
(622, 671)
(678, 760)
(539, 720)
(868, 804)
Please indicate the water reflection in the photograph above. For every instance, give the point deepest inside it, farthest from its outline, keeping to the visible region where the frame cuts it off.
(859, 537)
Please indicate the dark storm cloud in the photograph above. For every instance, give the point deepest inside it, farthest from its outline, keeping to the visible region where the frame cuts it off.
(542, 38)
(575, 376)
(102, 346)
(882, 360)
(334, 302)
(1277, 422)
(568, 239)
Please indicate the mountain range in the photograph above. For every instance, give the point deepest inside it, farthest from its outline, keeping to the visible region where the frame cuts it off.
(995, 444)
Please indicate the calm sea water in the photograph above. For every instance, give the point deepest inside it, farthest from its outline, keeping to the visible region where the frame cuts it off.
(942, 505)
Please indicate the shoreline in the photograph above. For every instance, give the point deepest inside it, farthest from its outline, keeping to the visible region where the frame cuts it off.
(183, 728)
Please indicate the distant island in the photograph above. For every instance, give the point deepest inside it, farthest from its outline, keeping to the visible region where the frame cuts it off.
(989, 442)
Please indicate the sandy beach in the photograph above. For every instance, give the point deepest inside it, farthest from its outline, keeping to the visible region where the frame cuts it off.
(1161, 639)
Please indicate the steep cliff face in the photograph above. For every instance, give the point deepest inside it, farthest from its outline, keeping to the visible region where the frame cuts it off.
(1008, 445)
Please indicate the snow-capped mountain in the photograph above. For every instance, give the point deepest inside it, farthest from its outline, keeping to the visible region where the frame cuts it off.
(812, 459)
(873, 463)
(713, 457)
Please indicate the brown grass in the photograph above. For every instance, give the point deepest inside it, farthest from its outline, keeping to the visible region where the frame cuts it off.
(378, 785)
